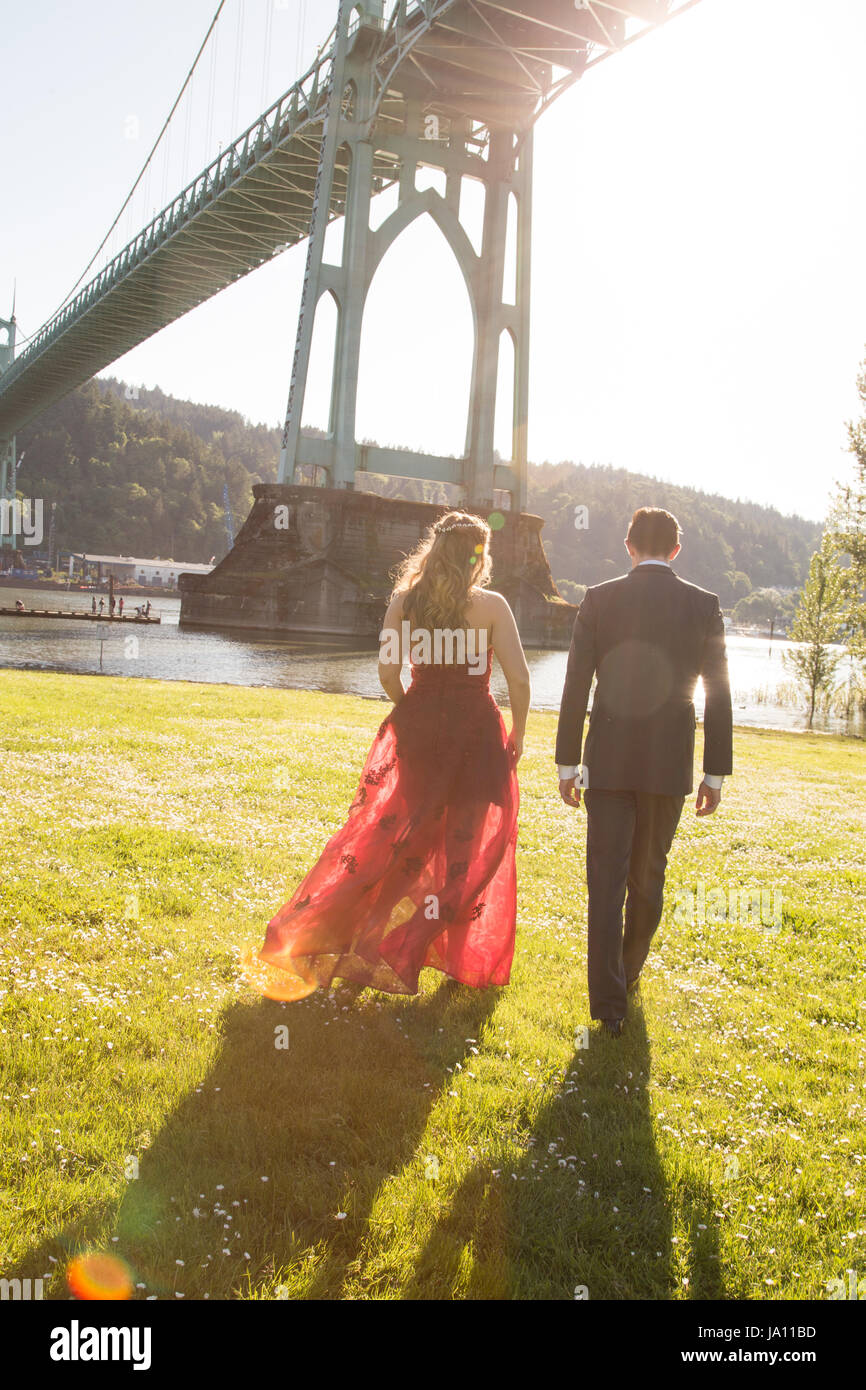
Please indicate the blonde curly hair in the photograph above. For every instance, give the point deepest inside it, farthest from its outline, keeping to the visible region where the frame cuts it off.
(438, 575)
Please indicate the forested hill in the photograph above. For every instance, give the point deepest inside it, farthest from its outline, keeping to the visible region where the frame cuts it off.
(135, 471)
(729, 547)
(143, 475)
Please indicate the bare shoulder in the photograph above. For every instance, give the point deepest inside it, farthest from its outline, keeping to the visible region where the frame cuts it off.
(395, 607)
(489, 602)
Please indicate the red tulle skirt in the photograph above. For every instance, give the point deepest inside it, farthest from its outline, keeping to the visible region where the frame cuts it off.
(422, 873)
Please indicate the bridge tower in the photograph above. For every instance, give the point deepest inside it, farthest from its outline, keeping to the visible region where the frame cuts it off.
(7, 446)
(420, 103)
(378, 135)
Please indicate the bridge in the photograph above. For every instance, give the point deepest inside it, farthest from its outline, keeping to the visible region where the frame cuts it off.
(455, 86)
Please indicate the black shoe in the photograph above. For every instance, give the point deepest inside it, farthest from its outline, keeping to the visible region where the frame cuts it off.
(613, 1026)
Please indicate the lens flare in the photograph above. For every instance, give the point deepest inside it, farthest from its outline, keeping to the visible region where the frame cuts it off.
(273, 981)
(496, 521)
(97, 1276)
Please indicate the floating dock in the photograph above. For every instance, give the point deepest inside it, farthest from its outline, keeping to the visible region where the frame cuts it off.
(76, 614)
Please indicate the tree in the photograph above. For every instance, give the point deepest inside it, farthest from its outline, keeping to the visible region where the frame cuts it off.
(847, 526)
(570, 591)
(817, 622)
(736, 585)
(763, 606)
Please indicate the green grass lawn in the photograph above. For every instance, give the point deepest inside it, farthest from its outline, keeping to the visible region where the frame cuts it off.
(461, 1144)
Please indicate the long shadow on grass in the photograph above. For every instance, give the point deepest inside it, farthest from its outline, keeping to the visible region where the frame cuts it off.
(586, 1212)
(266, 1173)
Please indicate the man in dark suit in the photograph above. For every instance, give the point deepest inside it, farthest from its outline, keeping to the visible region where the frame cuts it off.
(647, 637)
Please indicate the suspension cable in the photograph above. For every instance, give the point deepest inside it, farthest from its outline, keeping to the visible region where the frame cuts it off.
(146, 164)
(239, 51)
(266, 55)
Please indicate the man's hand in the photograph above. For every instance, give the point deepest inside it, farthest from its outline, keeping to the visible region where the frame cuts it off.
(569, 791)
(707, 800)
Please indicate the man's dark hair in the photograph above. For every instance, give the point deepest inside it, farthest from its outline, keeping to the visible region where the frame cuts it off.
(653, 531)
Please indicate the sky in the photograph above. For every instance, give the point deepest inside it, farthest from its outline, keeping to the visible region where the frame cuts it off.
(698, 273)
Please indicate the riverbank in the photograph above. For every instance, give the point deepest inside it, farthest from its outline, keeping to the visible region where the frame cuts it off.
(764, 694)
(464, 1145)
(75, 589)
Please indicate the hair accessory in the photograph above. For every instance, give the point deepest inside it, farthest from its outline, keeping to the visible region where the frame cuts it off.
(455, 526)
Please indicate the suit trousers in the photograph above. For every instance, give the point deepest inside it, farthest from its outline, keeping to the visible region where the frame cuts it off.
(629, 834)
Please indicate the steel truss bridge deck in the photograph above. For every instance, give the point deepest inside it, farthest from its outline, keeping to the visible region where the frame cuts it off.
(493, 62)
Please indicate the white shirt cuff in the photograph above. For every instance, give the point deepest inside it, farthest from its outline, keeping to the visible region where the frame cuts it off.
(579, 773)
(712, 779)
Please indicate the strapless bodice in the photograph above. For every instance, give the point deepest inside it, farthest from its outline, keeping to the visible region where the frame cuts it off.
(463, 674)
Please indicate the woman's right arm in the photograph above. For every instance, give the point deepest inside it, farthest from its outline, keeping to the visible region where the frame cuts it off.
(509, 649)
(391, 650)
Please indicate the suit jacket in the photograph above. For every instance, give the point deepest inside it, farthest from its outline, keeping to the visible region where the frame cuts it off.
(647, 637)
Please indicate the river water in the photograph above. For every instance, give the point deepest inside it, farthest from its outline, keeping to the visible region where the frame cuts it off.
(169, 652)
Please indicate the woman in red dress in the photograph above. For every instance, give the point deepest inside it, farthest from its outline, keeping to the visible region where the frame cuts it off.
(422, 872)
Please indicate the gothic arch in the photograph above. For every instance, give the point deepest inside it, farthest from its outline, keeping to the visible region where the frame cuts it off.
(323, 359)
(415, 320)
(449, 225)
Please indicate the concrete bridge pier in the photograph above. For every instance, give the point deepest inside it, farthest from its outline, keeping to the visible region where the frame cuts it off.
(315, 560)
